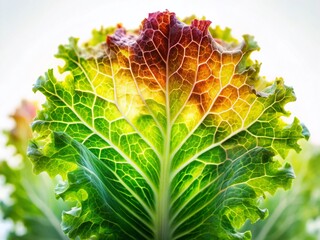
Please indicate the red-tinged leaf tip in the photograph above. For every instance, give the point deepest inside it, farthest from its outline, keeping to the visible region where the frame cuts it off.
(160, 17)
(202, 25)
(167, 50)
(119, 38)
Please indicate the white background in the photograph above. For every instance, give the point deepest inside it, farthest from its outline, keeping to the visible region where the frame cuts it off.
(286, 30)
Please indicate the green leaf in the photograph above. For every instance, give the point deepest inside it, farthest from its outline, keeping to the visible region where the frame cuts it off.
(294, 210)
(31, 203)
(167, 134)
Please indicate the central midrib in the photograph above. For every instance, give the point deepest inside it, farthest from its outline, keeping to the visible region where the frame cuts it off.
(163, 231)
(162, 227)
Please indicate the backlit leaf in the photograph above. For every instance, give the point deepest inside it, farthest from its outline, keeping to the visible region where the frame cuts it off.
(165, 134)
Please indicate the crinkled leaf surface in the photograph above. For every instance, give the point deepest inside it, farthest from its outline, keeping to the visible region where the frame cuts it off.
(294, 214)
(165, 134)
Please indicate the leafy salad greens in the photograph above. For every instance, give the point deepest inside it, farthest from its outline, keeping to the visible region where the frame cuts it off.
(167, 132)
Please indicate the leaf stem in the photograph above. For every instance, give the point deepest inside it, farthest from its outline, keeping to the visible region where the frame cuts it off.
(163, 224)
(163, 230)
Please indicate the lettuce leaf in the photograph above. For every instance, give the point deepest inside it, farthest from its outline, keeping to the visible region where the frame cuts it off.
(167, 133)
(295, 213)
(32, 204)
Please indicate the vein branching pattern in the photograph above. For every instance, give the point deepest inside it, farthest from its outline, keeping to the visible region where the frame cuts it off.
(164, 133)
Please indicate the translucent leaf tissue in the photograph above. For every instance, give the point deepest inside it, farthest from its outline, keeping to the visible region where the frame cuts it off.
(167, 132)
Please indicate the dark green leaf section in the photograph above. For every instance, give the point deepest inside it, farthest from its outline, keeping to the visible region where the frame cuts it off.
(102, 201)
(225, 189)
